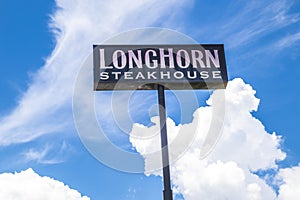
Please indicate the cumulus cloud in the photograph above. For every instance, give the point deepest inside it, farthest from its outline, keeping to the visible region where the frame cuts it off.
(289, 189)
(228, 172)
(29, 185)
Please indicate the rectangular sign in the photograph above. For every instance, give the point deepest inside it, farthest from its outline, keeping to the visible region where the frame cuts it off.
(143, 67)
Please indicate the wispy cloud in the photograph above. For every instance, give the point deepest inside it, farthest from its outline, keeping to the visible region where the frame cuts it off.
(45, 107)
(289, 40)
(246, 22)
(257, 19)
(49, 154)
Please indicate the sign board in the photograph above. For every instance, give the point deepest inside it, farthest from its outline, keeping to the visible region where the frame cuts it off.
(143, 67)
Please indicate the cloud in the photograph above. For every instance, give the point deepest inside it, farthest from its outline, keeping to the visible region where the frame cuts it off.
(45, 154)
(29, 185)
(247, 22)
(289, 189)
(45, 108)
(37, 155)
(289, 40)
(228, 172)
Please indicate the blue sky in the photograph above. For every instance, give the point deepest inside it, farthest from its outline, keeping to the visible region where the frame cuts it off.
(44, 44)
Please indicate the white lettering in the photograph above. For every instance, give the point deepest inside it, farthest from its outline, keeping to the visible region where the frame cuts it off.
(137, 59)
(216, 74)
(116, 74)
(102, 60)
(140, 75)
(178, 75)
(128, 75)
(168, 55)
(185, 57)
(123, 59)
(190, 76)
(151, 75)
(104, 76)
(204, 74)
(167, 74)
(197, 58)
(214, 59)
(147, 59)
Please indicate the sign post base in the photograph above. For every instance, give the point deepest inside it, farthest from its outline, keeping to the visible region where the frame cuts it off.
(168, 195)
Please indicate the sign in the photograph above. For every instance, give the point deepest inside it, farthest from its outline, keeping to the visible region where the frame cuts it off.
(143, 67)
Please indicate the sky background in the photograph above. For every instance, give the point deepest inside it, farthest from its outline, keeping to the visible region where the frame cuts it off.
(43, 46)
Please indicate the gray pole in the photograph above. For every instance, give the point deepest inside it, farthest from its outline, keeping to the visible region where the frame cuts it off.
(164, 143)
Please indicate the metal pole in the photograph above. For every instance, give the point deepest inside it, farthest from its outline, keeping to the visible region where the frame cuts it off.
(164, 143)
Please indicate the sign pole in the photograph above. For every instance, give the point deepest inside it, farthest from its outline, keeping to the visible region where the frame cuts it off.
(152, 67)
(167, 193)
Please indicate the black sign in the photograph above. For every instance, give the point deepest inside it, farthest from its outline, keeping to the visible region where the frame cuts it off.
(177, 67)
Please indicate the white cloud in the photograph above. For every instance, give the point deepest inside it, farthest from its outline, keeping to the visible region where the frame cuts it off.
(289, 40)
(217, 180)
(289, 190)
(46, 155)
(38, 155)
(226, 173)
(249, 21)
(29, 185)
(46, 106)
